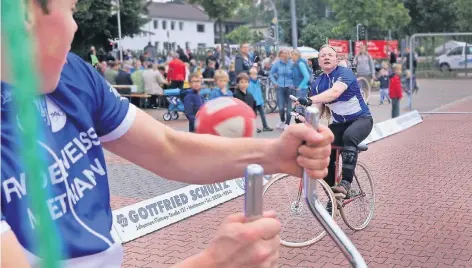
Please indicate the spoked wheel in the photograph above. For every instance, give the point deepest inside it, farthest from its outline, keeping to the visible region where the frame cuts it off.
(365, 88)
(166, 116)
(271, 101)
(358, 208)
(174, 115)
(299, 226)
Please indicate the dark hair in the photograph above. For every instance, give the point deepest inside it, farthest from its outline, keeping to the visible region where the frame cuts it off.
(242, 76)
(161, 68)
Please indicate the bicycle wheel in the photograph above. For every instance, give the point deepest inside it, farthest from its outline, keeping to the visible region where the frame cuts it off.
(299, 226)
(271, 101)
(358, 208)
(365, 88)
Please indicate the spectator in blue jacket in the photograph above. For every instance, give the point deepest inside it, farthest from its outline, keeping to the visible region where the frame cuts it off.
(281, 75)
(301, 77)
(256, 91)
(192, 100)
(221, 79)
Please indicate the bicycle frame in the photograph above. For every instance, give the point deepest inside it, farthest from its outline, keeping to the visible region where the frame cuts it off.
(323, 217)
(338, 177)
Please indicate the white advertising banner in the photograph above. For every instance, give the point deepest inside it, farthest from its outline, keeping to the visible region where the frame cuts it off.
(153, 214)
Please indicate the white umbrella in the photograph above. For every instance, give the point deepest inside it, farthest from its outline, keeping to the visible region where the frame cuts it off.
(308, 52)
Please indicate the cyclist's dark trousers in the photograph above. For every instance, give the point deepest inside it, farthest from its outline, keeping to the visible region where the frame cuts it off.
(348, 135)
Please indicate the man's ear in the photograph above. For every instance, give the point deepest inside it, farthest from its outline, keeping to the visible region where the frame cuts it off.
(29, 15)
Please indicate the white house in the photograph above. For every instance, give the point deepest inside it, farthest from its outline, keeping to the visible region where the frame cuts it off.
(173, 24)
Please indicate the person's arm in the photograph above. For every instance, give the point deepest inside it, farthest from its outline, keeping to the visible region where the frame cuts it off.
(372, 66)
(306, 75)
(160, 78)
(189, 108)
(170, 71)
(155, 147)
(346, 78)
(12, 252)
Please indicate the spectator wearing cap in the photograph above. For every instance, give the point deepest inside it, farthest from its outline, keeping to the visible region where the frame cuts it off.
(177, 72)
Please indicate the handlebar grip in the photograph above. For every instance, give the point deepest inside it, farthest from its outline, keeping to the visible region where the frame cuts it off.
(293, 98)
(253, 196)
(312, 116)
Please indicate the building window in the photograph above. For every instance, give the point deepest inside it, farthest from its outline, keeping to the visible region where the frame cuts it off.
(164, 24)
(166, 45)
(156, 45)
(187, 44)
(181, 25)
(172, 25)
(201, 28)
(201, 45)
(156, 24)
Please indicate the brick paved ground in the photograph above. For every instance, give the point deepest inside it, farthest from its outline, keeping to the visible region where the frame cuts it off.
(423, 179)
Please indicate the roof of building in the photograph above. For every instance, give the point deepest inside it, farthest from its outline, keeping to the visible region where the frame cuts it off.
(177, 10)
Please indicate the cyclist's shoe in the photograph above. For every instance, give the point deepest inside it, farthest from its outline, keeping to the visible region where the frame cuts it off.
(267, 129)
(259, 131)
(342, 189)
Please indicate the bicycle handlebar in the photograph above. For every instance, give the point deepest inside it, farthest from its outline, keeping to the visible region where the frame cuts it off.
(253, 193)
(328, 223)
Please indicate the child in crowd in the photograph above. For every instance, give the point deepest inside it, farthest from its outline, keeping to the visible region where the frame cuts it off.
(242, 93)
(395, 89)
(384, 79)
(192, 100)
(221, 81)
(256, 91)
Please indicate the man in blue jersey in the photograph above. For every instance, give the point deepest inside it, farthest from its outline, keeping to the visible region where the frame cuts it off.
(352, 122)
(80, 114)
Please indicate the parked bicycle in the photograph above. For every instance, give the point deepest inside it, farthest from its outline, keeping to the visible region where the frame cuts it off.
(270, 95)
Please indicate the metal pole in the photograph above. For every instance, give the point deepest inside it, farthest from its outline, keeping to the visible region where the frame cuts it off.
(465, 56)
(294, 23)
(119, 30)
(427, 35)
(276, 16)
(357, 32)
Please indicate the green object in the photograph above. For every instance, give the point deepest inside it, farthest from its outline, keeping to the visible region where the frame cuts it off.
(25, 80)
(138, 80)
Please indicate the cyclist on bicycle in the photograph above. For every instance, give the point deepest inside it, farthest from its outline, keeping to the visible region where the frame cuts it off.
(352, 121)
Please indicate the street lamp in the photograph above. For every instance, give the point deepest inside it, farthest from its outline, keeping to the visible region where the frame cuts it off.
(118, 15)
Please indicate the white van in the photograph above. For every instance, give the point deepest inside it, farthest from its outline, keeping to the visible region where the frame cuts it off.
(454, 59)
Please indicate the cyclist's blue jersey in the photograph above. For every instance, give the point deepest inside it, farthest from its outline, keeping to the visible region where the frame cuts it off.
(350, 105)
(75, 119)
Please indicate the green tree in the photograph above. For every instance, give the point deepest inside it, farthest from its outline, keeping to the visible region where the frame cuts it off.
(98, 23)
(380, 14)
(244, 34)
(316, 33)
(433, 15)
(240, 35)
(464, 11)
(220, 10)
